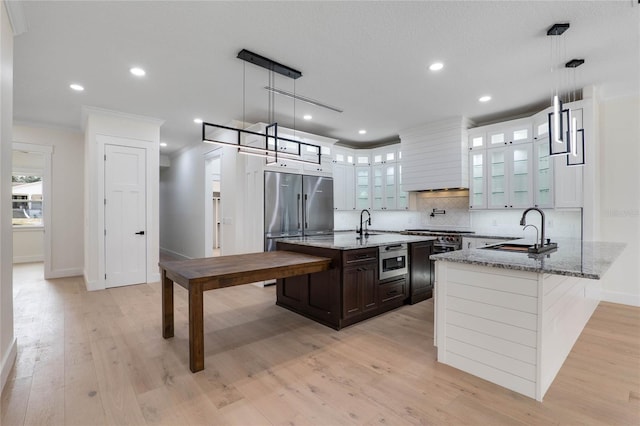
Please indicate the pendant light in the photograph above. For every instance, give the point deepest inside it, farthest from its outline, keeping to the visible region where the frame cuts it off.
(576, 142)
(559, 119)
(235, 137)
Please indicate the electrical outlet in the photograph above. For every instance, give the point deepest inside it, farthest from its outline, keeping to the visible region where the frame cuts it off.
(549, 223)
(494, 222)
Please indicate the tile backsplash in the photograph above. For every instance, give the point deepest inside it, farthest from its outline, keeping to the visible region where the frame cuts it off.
(456, 210)
(559, 223)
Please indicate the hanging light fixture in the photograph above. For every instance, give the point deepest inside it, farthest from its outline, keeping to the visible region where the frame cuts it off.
(559, 118)
(235, 137)
(576, 142)
(565, 138)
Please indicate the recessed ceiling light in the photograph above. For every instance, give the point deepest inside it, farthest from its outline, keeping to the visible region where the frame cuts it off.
(163, 144)
(307, 117)
(197, 120)
(436, 66)
(485, 98)
(362, 131)
(76, 87)
(138, 72)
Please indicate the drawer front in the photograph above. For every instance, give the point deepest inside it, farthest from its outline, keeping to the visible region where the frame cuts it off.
(393, 290)
(356, 257)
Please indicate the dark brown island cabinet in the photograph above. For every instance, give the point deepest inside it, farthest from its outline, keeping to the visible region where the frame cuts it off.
(351, 291)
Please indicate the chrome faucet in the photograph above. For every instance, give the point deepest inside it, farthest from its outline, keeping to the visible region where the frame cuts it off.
(359, 231)
(523, 223)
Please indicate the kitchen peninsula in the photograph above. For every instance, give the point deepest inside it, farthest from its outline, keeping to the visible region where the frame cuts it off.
(368, 276)
(512, 317)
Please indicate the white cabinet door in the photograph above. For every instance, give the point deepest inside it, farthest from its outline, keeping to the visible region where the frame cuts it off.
(344, 197)
(509, 177)
(477, 179)
(363, 187)
(384, 187)
(543, 185)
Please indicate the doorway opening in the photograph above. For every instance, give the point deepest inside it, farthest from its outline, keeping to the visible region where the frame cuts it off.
(31, 206)
(213, 204)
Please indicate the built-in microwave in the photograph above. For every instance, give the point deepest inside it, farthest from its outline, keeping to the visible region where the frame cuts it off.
(394, 261)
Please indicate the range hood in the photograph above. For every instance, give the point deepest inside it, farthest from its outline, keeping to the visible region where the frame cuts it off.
(435, 156)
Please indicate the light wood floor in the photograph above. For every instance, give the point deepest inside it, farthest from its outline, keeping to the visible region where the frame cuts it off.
(99, 358)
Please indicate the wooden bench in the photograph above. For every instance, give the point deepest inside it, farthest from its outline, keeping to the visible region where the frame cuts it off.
(200, 275)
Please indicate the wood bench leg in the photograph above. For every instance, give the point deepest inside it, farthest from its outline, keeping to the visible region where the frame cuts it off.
(196, 329)
(167, 306)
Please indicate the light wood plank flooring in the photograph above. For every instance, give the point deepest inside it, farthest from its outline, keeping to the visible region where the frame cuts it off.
(92, 358)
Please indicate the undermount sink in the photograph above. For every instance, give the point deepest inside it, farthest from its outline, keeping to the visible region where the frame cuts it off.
(522, 247)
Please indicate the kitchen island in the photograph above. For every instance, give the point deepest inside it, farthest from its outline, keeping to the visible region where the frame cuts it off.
(512, 317)
(353, 289)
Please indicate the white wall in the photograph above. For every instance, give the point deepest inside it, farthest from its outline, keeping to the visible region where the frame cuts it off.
(182, 198)
(8, 347)
(620, 195)
(28, 244)
(67, 194)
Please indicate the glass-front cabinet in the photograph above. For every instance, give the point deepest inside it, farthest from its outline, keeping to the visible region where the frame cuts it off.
(509, 177)
(543, 174)
(478, 180)
(385, 187)
(363, 187)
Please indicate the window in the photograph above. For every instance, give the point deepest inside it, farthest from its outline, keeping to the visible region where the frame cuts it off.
(26, 200)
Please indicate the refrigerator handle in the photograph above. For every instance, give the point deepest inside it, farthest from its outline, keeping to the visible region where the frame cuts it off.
(306, 213)
(298, 205)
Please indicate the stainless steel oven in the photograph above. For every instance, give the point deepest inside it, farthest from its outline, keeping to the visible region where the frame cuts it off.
(445, 243)
(394, 261)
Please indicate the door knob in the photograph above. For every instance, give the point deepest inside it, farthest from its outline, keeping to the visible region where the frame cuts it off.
(140, 233)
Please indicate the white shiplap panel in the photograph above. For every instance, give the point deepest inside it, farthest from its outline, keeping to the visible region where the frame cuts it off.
(573, 294)
(492, 312)
(509, 381)
(435, 155)
(513, 350)
(493, 359)
(517, 282)
(492, 328)
(550, 282)
(561, 332)
(513, 301)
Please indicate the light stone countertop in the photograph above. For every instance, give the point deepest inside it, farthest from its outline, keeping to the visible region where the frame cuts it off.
(349, 241)
(585, 259)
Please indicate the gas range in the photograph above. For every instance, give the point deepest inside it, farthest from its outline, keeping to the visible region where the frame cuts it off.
(447, 240)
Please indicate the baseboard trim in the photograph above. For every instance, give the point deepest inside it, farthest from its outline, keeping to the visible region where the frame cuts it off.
(28, 259)
(64, 273)
(621, 298)
(171, 253)
(154, 278)
(92, 285)
(8, 361)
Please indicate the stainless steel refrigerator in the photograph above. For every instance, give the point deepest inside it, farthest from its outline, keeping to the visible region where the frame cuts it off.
(296, 205)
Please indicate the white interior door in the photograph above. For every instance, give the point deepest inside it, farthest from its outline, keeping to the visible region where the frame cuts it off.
(125, 213)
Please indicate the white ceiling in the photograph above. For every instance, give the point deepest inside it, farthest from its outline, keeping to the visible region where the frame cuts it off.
(368, 58)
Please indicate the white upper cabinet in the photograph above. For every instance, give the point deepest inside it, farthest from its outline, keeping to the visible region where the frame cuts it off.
(344, 186)
(508, 133)
(363, 157)
(363, 187)
(509, 177)
(385, 154)
(478, 179)
(477, 139)
(543, 183)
